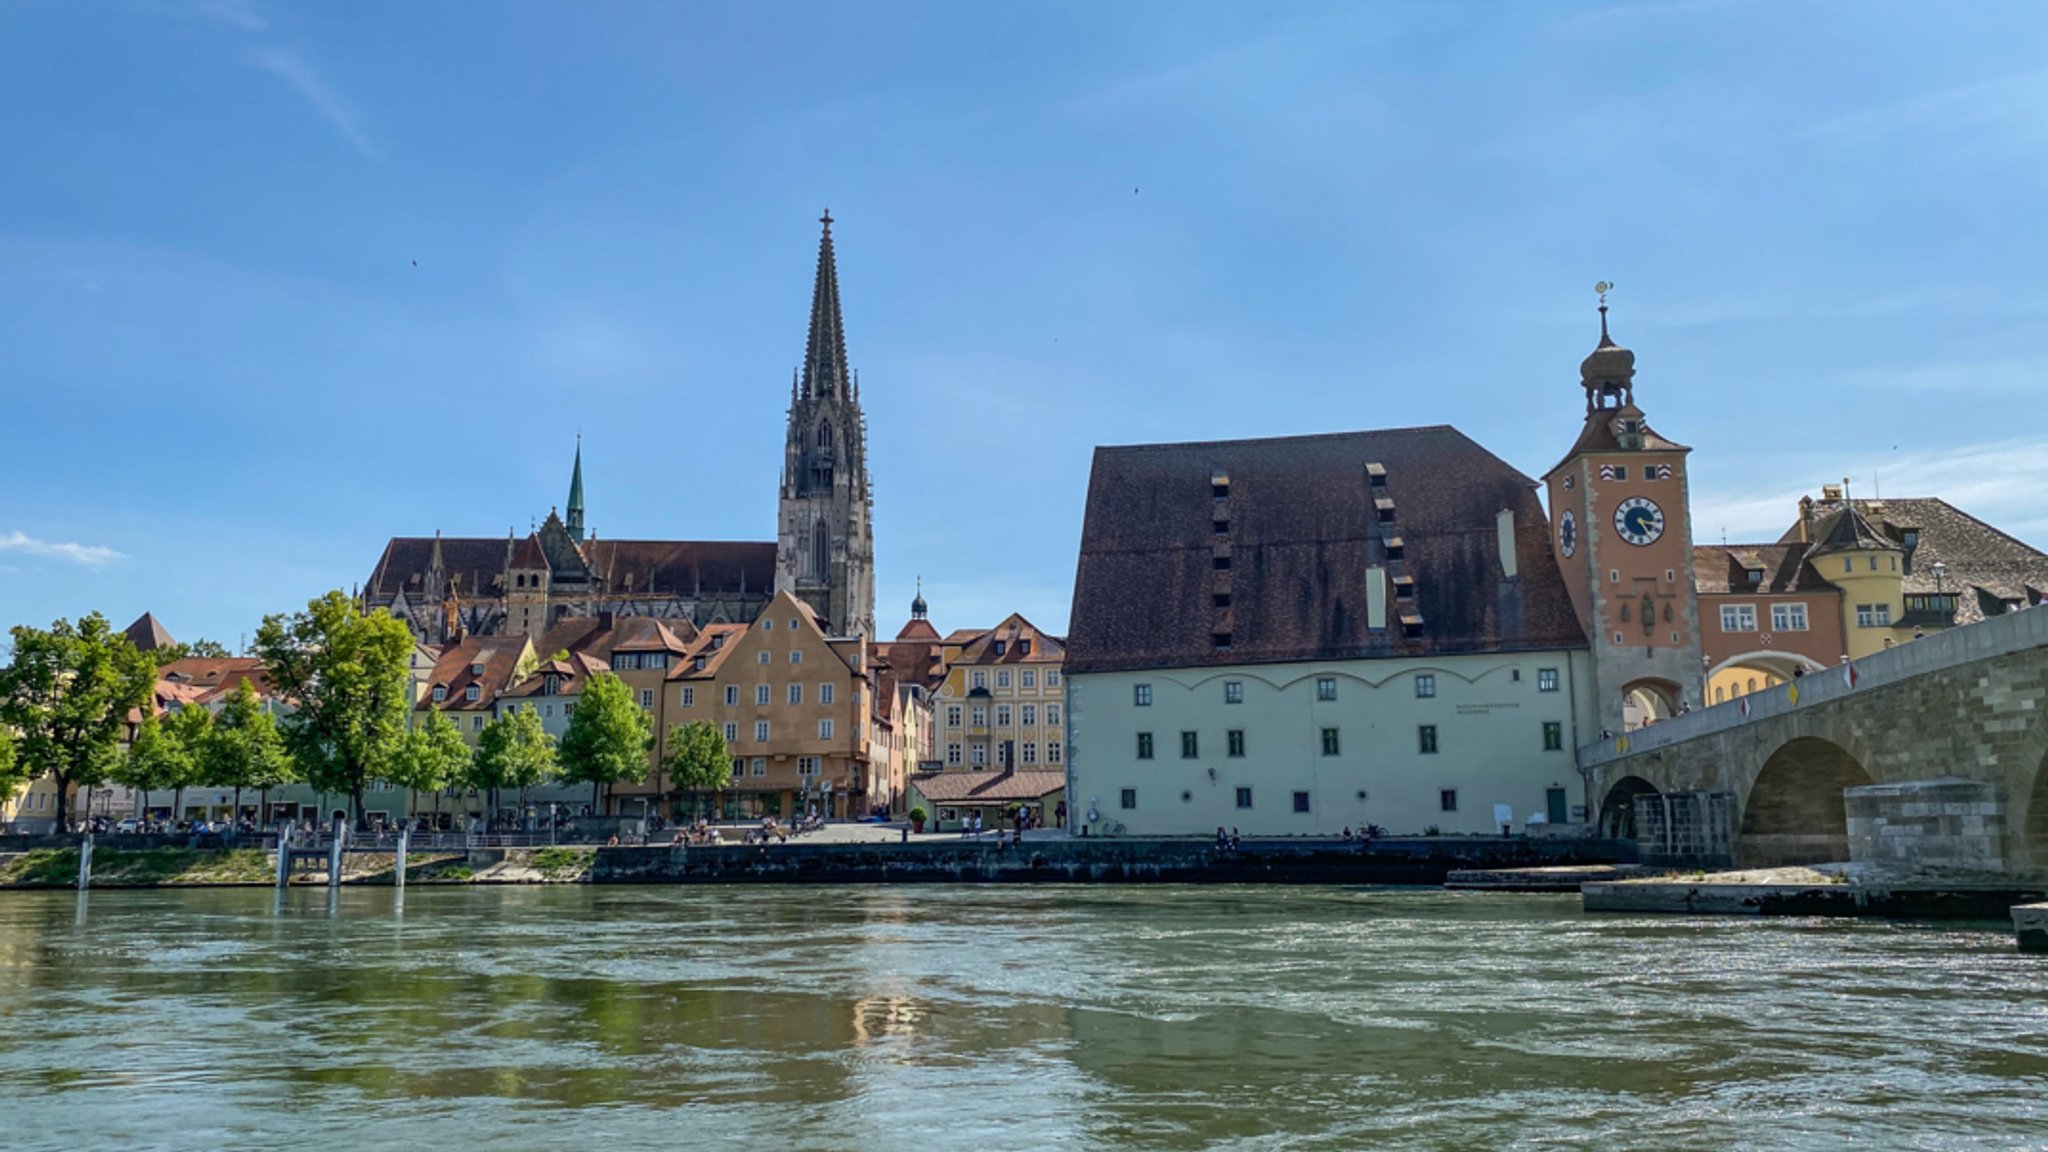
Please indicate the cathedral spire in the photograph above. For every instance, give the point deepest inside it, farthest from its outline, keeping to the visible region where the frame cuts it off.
(575, 524)
(825, 372)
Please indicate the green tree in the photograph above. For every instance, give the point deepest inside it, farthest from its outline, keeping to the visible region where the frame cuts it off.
(513, 751)
(697, 759)
(67, 693)
(157, 759)
(246, 749)
(12, 775)
(607, 738)
(431, 756)
(348, 675)
(179, 650)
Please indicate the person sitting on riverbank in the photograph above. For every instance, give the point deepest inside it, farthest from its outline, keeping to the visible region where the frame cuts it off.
(1235, 843)
(1222, 839)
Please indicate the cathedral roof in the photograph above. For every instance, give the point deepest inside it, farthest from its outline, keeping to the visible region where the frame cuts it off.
(670, 567)
(825, 370)
(1306, 523)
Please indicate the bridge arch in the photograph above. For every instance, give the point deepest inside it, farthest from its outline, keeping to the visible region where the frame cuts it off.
(1649, 699)
(1618, 808)
(1795, 813)
(1748, 672)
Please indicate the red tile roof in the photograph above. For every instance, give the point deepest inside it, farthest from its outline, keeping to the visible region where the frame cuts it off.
(968, 788)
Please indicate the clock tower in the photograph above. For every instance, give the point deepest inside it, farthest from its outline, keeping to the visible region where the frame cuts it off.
(1622, 532)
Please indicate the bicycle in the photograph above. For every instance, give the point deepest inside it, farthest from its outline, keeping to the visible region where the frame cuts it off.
(1112, 827)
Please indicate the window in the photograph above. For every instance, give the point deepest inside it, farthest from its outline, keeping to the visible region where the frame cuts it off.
(689, 697)
(1220, 599)
(1052, 713)
(1144, 745)
(1222, 563)
(476, 723)
(1425, 685)
(647, 697)
(767, 625)
(807, 765)
(762, 657)
(1001, 647)
(732, 733)
(1003, 679)
(825, 728)
(1234, 739)
(760, 693)
(1788, 617)
(1546, 679)
(1127, 799)
(952, 753)
(1002, 715)
(732, 695)
(1621, 471)
(796, 657)
(953, 715)
(760, 765)
(826, 694)
(440, 694)
(977, 679)
(1244, 797)
(1329, 742)
(1221, 525)
(1848, 563)
(978, 718)
(761, 730)
(1028, 715)
(1052, 752)
(1426, 737)
(547, 710)
(1052, 679)
(1301, 801)
(1873, 615)
(1028, 679)
(1030, 752)
(977, 755)
(796, 693)
(1553, 736)
(1141, 695)
(472, 693)
(1738, 617)
(1447, 799)
(1190, 746)
(1756, 575)
(1326, 688)
(1233, 691)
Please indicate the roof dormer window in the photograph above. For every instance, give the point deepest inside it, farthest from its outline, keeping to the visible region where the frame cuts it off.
(440, 693)
(473, 693)
(1756, 575)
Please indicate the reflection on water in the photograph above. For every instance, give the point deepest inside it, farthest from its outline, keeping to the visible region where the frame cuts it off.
(998, 1018)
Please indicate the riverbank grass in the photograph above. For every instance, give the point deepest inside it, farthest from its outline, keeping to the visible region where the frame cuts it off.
(58, 867)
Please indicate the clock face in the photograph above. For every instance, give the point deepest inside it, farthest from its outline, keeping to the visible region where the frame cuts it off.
(1639, 520)
(1567, 532)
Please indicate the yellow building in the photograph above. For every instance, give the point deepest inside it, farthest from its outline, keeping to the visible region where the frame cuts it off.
(1002, 703)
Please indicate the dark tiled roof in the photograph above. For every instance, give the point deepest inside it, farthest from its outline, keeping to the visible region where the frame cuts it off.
(1851, 531)
(476, 564)
(987, 787)
(1726, 567)
(1302, 532)
(497, 655)
(675, 567)
(1974, 555)
(148, 633)
(1044, 649)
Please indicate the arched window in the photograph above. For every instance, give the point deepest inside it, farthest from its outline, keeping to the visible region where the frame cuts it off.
(821, 550)
(824, 435)
(1720, 694)
(1752, 684)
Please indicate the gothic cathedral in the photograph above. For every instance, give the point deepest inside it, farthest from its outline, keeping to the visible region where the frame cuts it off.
(824, 547)
(1622, 533)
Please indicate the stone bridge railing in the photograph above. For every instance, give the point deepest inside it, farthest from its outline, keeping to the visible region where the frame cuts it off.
(1997, 636)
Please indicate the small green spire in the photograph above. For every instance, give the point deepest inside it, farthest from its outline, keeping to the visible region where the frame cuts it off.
(575, 524)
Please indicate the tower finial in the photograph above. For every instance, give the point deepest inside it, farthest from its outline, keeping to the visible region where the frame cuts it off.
(826, 220)
(1603, 288)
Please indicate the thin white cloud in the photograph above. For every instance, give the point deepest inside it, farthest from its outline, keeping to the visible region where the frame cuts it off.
(1999, 483)
(90, 555)
(239, 13)
(337, 112)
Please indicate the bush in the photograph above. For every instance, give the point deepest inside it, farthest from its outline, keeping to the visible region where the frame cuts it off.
(918, 816)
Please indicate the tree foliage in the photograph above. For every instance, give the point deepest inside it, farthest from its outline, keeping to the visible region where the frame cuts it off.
(157, 760)
(348, 677)
(607, 738)
(245, 749)
(181, 650)
(12, 775)
(514, 752)
(431, 756)
(697, 759)
(66, 694)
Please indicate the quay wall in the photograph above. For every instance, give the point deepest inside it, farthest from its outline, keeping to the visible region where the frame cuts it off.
(1418, 860)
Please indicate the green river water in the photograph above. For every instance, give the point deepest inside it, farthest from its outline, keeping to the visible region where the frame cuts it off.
(991, 1017)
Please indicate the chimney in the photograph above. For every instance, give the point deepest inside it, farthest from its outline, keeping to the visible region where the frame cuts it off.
(1806, 519)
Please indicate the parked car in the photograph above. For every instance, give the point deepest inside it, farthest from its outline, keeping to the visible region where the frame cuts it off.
(128, 826)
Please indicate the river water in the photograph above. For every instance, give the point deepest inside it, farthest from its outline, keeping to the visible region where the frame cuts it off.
(993, 1017)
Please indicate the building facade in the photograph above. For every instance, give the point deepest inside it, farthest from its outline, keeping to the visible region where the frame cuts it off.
(1299, 635)
(1002, 703)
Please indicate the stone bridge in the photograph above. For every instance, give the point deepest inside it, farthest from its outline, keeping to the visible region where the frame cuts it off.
(1929, 756)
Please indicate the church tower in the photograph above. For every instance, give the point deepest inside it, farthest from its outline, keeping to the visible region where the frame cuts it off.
(575, 524)
(1622, 534)
(824, 549)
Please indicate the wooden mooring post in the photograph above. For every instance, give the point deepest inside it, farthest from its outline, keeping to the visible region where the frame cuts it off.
(398, 868)
(85, 862)
(335, 850)
(284, 855)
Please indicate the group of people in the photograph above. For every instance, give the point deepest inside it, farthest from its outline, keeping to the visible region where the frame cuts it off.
(1227, 841)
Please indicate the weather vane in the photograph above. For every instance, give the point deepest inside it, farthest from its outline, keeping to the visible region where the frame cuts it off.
(1603, 288)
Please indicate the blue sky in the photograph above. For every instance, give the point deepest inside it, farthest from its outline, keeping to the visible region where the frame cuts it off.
(226, 382)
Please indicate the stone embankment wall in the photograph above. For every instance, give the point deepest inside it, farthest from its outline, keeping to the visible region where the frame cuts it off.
(1927, 826)
(1403, 861)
